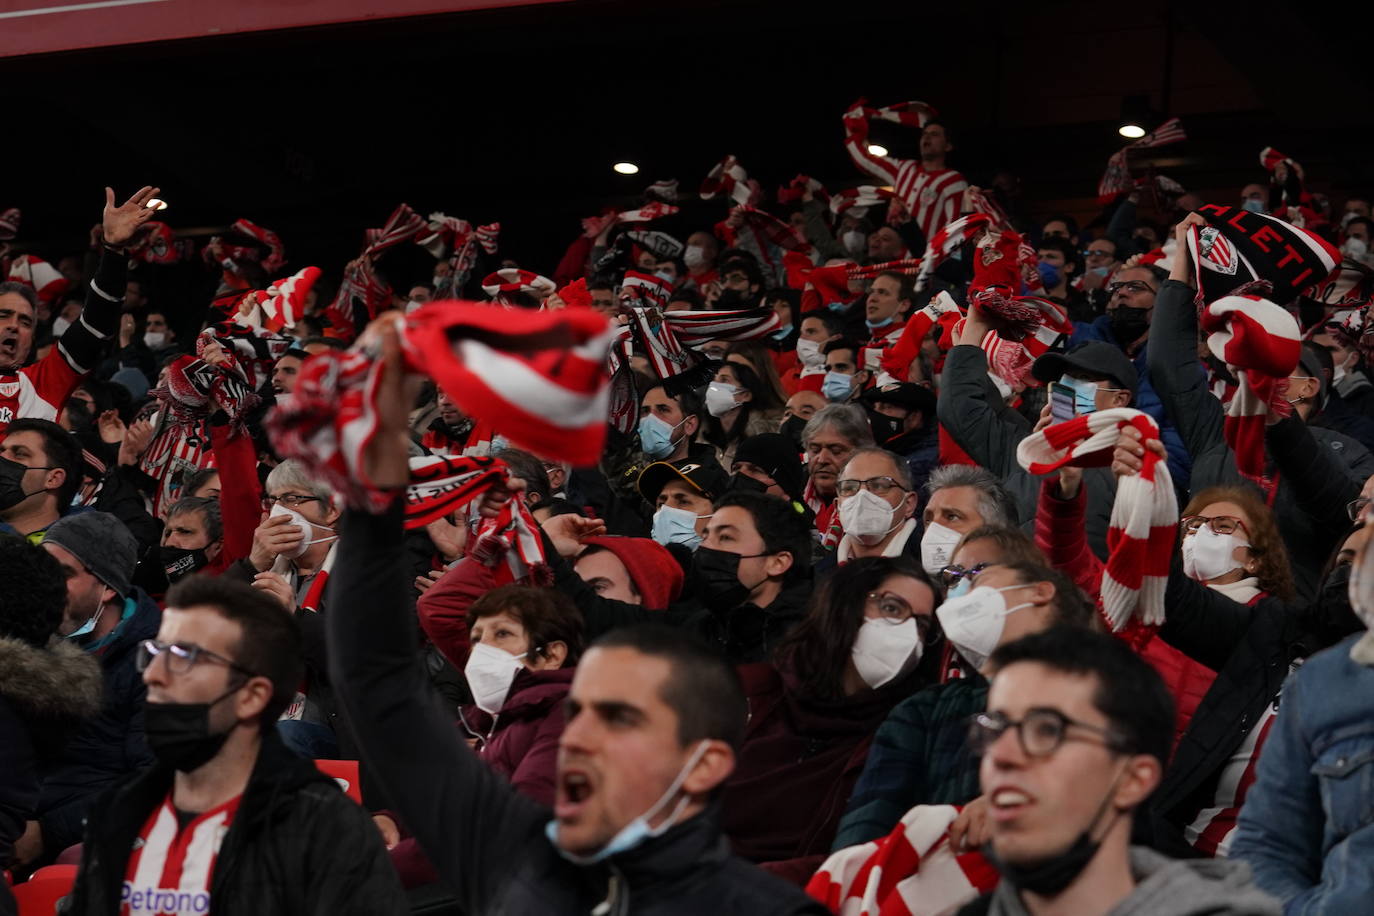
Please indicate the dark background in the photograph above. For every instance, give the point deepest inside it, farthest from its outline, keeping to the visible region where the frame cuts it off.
(516, 115)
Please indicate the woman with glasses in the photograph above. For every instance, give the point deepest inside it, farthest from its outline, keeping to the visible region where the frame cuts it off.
(869, 640)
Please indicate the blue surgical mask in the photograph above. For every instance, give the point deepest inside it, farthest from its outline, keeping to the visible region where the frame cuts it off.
(636, 832)
(676, 526)
(837, 306)
(1049, 274)
(1084, 394)
(86, 628)
(837, 386)
(782, 332)
(875, 325)
(960, 588)
(1254, 205)
(656, 436)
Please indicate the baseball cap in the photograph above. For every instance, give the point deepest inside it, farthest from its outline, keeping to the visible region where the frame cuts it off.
(708, 477)
(1095, 357)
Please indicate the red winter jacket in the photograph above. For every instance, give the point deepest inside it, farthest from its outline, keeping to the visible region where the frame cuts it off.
(1060, 534)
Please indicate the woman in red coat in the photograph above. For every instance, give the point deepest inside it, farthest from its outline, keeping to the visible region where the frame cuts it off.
(813, 714)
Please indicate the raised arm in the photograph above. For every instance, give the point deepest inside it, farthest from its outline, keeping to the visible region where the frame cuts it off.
(970, 408)
(856, 143)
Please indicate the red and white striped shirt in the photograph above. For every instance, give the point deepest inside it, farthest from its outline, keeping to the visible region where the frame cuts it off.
(1212, 830)
(932, 197)
(171, 868)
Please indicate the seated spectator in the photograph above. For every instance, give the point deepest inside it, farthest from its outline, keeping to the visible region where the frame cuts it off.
(738, 405)
(669, 426)
(634, 570)
(192, 538)
(107, 617)
(683, 492)
(876, 505)
(903, 418)
(225, 664)
(40, 472)
(831, 435)
(817, 329)
(1074, 740)
(844, 378)
(920, 755)
(858, 652)
(48, 688)
(770, 461)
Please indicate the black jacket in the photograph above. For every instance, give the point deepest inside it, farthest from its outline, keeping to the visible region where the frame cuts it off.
(108, 746)
(296, 846)
(44, 695)
(486, 841)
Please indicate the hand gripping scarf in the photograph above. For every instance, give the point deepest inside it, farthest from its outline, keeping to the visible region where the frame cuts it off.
(910, 872)
(360, 280)
(276, 251)
(279, 306)
(539, 378)
(460, 241)
(795, 190)
(1240, 247)
(1117, 177)
(1144, 519)
(593, 226)
(728, 177)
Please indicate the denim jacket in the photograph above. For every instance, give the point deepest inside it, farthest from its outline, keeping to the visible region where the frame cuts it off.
(1307, 828)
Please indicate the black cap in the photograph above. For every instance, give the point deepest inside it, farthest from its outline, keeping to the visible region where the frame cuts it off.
(903, 394)
(777, 456)
(708, 477)
(1095, 357)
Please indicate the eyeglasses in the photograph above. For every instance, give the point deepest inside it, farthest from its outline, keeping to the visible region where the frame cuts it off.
(1134, 286)
(894, 609)
(878, 486)
(1097, 253)
(953, 573)
(1040, 733)
(287, 499)
(1355, 507)
(1221, 524)
(181, 657)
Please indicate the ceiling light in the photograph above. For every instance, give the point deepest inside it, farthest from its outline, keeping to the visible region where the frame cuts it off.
(877, 150)
(626, 168)
(1131, 131)
(1136, 117)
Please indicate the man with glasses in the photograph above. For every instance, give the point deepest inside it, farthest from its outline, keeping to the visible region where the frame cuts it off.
(1100, 261)
(920, 755)
(228, 821)
(1075, 738)
(876, 505)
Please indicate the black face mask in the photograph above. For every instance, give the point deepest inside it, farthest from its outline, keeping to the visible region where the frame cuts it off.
(1334, 602)
(1052, 874)
(743, 483)
(1129, 324)
(717, 578)
(884, 427)
(792, 428)
(179, 733)
(180, 562)
(12, 483)
(733, 299)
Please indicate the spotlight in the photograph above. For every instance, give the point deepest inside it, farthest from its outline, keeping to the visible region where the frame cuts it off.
(626, 168)
(877, 150)
(1131, 131)
(1136, 117)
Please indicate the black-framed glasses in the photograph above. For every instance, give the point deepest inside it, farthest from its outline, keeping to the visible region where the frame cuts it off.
(895, 610)
(878, 486)
(1097, 253)
(953, 573)
(291, 500)
(1356, 506)
(1132, 286)
(1040, 732)
(181, 657)
(1220, 524)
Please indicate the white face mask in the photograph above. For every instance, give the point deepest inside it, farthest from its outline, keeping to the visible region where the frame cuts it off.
(489, 672)
(307, 526)
(937, 546)
(412, 305)
(694, 257)
(720, 398)
(154, 339)
(868, 517)
(59, 327)
(884, 651)
(1355, 249)
(809, 353)
(853, 242)
(973, 622)
(1208, 555)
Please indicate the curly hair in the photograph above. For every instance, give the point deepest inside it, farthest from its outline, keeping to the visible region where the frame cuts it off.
(1266, 544)
(35, 591)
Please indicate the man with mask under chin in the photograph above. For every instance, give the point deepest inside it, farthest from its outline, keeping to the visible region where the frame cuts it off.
(227, 806)
(1076, 734)
(107, 616)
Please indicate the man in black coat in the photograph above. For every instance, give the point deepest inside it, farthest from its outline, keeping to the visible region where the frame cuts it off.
(653, 720)
(229, 821)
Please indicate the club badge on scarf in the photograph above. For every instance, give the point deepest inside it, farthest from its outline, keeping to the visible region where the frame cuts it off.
(1239, 247)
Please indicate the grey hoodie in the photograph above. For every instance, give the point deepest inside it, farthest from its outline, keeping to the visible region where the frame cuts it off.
(1173, 887)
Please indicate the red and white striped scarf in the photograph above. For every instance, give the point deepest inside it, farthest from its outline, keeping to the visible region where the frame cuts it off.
(951, 237)
(728, 177)
(1144, 519)
(592, 226)
(460, 241)
(360, 279)
(1263, 341)
(279, 306)
(539, 378)
(796, 189)
(910, 872)
(859, 199)
(514, 280)
(1117, 177)
(770, 230)
(276, 251)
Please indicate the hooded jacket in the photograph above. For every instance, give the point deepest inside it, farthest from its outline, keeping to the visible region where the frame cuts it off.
(1165, 887)
(44, 696)
(297, 845)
